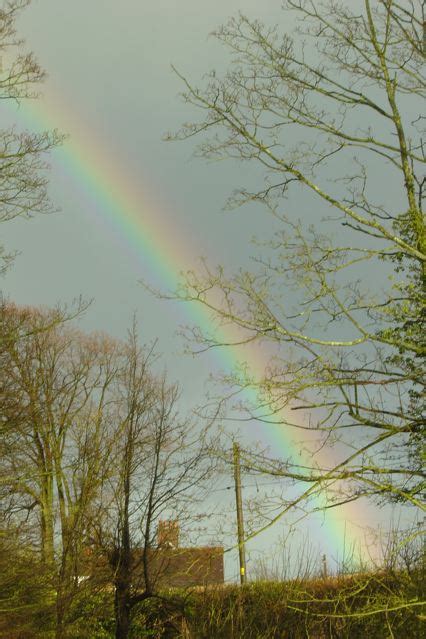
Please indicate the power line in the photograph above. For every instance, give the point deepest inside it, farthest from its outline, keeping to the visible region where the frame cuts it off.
(256, 485)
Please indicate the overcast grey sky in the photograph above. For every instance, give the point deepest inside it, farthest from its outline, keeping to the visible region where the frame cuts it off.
(110, 64)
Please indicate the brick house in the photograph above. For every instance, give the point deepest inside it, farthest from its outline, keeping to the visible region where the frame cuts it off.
(169, 565)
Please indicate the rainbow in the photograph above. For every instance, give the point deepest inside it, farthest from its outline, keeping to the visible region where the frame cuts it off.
(133, 214)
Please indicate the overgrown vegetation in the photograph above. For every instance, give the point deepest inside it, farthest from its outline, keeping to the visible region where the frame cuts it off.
(345, 607)
(351, 607)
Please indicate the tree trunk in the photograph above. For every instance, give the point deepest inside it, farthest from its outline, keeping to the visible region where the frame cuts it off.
(47, 536)
(122, 609)
(64, 595)
(60, 614)
(47, 520)
(123, 578)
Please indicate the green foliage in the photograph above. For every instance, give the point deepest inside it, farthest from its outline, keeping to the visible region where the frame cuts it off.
(26, 595)
(91, 615)
(377, 605)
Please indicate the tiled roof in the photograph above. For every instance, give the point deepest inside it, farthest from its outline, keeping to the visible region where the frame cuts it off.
(186, 567)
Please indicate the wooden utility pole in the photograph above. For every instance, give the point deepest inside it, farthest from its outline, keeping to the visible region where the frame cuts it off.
(240, 522)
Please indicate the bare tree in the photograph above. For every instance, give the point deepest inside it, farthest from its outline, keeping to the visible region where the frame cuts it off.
(160, 466)
(23, 181)
(333, 119)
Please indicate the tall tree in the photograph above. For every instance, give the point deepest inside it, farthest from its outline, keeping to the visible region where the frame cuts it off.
(159, 469)
(55, 393)
(333, 119)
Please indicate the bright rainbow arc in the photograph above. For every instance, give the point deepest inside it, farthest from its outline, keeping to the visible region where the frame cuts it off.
(120, 201)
